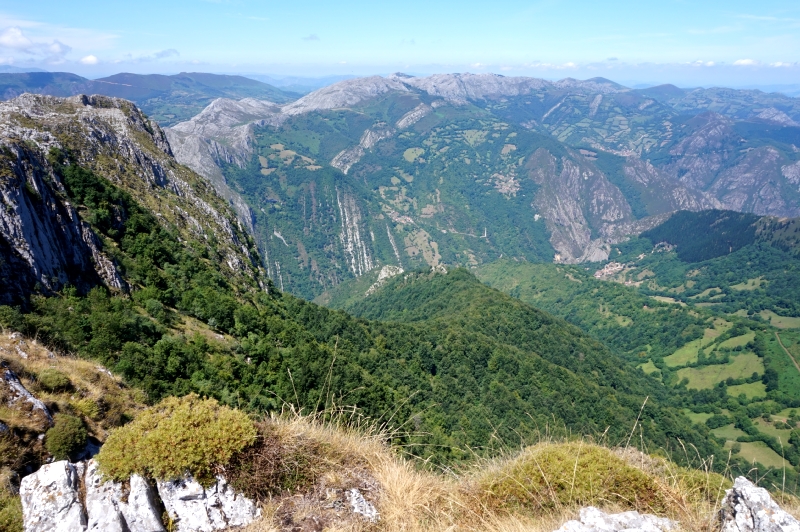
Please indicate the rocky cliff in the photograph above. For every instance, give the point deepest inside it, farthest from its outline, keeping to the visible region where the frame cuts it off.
(45, 241)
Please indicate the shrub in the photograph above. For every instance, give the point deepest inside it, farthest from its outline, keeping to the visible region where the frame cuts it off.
(66, 437)
(548, 476)
(176, 437)
(53, 380)
(717, 421)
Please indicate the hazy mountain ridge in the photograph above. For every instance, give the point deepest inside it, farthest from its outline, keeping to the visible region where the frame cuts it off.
(167, 99)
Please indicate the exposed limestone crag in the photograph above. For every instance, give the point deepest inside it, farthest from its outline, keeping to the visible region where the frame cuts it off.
(43, 241)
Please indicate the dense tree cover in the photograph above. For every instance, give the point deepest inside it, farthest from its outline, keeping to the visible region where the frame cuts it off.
(631, 324)
(471, 369)
(704, 235)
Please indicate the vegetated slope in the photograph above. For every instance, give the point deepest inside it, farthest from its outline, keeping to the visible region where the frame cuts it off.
(166, 99)
(70, 165)
(630, 323)
(522, 360)
(404, 178)
(186, 313)
(717, 324)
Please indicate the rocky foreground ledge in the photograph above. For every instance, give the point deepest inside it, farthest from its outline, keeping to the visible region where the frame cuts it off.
(68, 497)
(73, 497)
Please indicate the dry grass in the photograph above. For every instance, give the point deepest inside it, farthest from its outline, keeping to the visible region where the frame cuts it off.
(485, 496)
(100, 398)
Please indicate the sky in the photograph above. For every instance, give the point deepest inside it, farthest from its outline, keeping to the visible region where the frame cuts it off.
(688, 43)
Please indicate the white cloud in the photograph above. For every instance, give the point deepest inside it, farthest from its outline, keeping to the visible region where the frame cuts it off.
(312, 37)
(89, 60)
(15, 39)
(746, 62)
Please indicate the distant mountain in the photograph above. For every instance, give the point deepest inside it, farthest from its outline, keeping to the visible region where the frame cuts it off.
(167, 99)
(9, 69)
(462, 169)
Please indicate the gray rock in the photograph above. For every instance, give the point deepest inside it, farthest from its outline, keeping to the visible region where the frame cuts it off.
(594, 520)
(197, 509)
(748, 508)
(17, 392)
(362, 506)
(51, 499)
(110, 508)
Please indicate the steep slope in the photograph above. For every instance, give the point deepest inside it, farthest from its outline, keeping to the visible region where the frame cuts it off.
(47, 240)
(430, 173)
(166, 99)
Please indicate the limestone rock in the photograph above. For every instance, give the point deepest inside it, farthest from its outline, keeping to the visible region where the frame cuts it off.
(51, 499)
(748, 508)
(198, 509)
(20, 398)
(594, 520)
(362, 506)
(110, 508)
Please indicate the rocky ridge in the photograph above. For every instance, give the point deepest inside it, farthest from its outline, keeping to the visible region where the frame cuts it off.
(46, 242)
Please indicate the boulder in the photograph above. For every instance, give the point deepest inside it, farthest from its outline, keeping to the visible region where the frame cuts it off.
(197, 509)
(51, 499)
(112, 508)
(748, 508)
(594, 520)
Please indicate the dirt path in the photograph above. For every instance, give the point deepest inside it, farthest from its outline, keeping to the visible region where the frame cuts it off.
(787, 351)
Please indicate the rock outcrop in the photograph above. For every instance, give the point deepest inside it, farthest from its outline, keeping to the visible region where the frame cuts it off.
(44, 242)
(748, 508)
(51, 499)
(594, 520)
(66, 497)
(194, 508)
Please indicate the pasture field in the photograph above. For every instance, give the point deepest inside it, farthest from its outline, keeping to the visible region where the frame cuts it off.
(781, 322)
(750, 390)
(738, 341)
(697, 417)
(770, 430)
(757, 451)
(729, 432)
(740, 366)
(649, 368)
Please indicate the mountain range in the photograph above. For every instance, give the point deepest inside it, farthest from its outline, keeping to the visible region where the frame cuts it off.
(463, 169)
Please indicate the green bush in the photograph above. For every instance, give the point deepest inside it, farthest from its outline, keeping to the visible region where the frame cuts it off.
(175, 437)
(548, 476)
(53, 380)
(66, 438)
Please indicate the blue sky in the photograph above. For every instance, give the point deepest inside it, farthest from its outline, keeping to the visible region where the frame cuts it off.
(689, 43)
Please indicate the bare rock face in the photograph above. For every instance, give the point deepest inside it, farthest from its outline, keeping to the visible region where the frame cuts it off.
(112, 508)
(65, 497)
(51, 499)
(197, 509)
(43, 241)
(594, 520)
(748, 508)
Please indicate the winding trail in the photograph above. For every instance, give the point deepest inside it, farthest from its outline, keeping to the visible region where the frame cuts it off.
(778, 336)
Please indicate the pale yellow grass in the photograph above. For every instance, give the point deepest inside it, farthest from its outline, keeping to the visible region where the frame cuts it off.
(415, 499)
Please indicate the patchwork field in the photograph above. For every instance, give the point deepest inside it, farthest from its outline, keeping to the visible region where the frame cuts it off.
(740, 366)
(781, 322)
